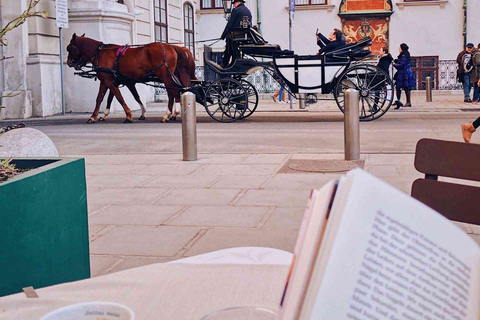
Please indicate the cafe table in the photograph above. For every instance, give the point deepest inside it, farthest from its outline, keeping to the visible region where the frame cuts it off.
(184, 289)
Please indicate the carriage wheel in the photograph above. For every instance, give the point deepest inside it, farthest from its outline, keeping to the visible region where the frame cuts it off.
(226, 100)
(375, 90)
(252, 98)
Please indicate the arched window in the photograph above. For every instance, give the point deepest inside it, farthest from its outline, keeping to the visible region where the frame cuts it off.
(161, 26)
(189, 27)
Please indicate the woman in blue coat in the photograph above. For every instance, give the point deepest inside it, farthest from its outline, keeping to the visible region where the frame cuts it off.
(404, 78)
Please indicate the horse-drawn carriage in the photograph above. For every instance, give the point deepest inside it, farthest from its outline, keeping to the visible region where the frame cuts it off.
(230, 97)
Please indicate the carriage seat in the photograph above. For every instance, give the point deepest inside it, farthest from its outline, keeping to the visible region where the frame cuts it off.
(351, 51)
(247, 35)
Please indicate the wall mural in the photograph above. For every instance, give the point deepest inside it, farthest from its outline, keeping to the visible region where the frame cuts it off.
(367, 18)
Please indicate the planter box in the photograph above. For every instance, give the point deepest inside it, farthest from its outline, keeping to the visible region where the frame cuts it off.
(43, 225)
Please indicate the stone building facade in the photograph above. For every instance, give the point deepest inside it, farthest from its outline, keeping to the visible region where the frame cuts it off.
(435, 30)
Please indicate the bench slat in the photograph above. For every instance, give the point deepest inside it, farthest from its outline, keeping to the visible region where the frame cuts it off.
(454, 201)
(448, 159)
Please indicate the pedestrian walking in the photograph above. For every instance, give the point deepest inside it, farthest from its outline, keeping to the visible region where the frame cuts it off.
(404, 76)
(469, 129)
(475, 75)
(465, 67)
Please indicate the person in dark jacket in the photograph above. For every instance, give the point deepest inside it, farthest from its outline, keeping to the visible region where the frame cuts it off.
(404, 78)
(235, 21)
(335, 40)
(385, 60)
(462, 75)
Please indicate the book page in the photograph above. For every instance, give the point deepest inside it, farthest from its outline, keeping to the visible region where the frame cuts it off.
(395, 258)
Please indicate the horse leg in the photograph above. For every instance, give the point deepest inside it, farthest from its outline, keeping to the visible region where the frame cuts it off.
(171, 101)
(107, 109)
(177, 107)
(120, 99)
(134, 92)
(100, 96)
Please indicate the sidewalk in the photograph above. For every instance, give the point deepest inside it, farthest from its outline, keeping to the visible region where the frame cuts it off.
(146, 205)
(161, 208)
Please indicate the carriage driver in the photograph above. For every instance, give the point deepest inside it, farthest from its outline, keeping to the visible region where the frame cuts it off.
(231, 50)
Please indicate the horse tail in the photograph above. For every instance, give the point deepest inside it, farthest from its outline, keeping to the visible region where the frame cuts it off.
(184, 66)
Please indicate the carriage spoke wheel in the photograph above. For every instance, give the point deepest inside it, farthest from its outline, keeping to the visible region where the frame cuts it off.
(226, 100)
(252, 97)
(375, 90)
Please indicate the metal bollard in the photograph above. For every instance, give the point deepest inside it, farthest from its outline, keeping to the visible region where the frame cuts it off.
(352, 125)
(189, 126)
(428, 84)
(301, 101)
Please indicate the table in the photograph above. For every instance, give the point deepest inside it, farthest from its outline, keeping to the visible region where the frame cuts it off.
(181, 291)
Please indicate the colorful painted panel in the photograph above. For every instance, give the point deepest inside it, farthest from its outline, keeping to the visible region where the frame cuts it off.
(375, 28)
(365, 5)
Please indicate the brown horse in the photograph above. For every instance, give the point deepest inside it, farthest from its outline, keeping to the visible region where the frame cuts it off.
(157, 60)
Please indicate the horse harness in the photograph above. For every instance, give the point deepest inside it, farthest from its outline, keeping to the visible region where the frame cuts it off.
(121, 79)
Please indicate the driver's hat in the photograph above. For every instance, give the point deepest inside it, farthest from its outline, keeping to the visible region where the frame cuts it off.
(238, 1)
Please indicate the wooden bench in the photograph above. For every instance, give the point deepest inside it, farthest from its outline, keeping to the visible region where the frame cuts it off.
(434, 158)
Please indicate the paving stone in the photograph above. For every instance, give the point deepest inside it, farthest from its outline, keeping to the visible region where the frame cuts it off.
(114, 169)
(135, 262)
(181, 181)
(223, 238)
(275, 198)
(237, 169)
(134, 214)
(93, 230)
(117, 181)
(130, 158)
(171, 169)
(143, 241)
(265, 158)
(376, 159)
(126, 196)
(285, 218)
(217, 197)
(383, 172)
(100, 264)
(402, 184)
(300, 181)
(240, 182)
(221, 158)
(95, 207)
(223, 216)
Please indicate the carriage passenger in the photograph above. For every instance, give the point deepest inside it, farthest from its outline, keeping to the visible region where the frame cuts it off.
(335, 40)
(231, 50)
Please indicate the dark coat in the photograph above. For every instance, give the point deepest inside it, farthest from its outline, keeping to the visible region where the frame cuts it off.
(236, 19)
(326, 45)
(461, 69)
(385, 62)
(405, 76)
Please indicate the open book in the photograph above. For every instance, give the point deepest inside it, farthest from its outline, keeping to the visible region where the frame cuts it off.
(368, 251)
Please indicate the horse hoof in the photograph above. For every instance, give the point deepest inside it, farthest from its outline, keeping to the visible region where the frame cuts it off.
(127, 121)
(174, 119)
(101, 119)
(142, 117)
(164, 120)
(90, 121)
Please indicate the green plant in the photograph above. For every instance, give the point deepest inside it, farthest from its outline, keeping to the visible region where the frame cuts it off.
(7, 170)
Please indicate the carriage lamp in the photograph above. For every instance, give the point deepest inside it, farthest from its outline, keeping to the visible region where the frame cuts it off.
(227, 6)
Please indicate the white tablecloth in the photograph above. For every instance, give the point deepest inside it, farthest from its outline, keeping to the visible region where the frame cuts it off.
(161, 291)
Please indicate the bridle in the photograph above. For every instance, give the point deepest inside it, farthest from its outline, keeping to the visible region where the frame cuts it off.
(79, 63)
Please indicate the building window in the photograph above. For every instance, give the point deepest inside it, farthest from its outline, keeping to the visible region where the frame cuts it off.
(424, 67)
(161, 26)
(211, 4)
(189, 27)
(309, 2)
